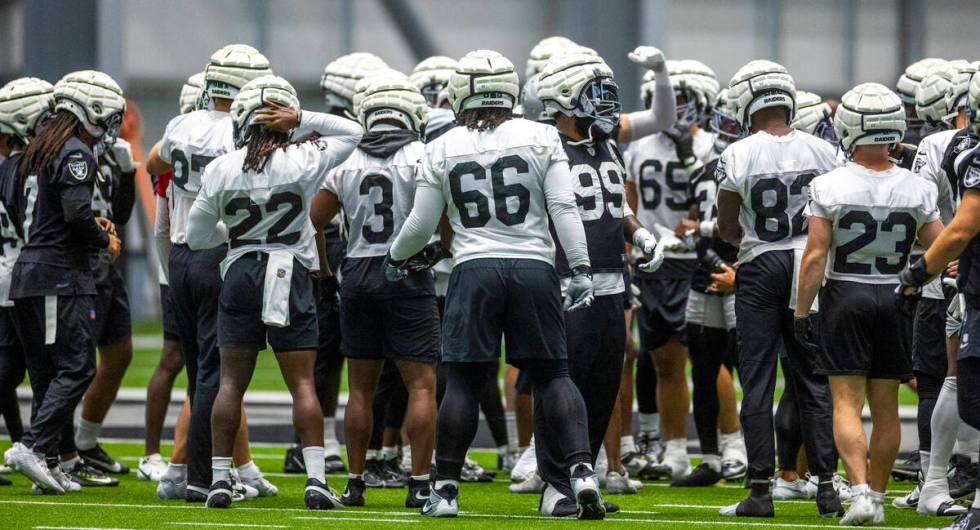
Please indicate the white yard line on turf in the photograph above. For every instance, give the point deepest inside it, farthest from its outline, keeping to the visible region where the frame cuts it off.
(77, 528)
(203, 524)
(403, 521)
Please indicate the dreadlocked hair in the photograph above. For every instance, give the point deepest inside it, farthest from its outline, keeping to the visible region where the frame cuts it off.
(486, 118)
(260, 144)
(48, 143)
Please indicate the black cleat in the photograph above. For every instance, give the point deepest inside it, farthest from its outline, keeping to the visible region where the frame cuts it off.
(909, 469)
(319, 497)
(702, 476)
(968, 521)
(354, 492)
(333, 464)
(374, 476)
(192, 495)
(220, 495)
(5, 482)
(294, 460)
(393, 475)
(611, 508)
(87, 476)
(963, 482)
(751, 506)
(828, 502)
(99, 459)
(418, 493)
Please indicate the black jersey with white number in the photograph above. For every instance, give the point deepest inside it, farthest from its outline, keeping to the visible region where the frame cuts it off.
(597, 178)
(968, 277)
(112, 197)
(704, 192)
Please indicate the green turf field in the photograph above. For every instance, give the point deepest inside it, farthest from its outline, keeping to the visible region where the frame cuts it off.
(133, 505)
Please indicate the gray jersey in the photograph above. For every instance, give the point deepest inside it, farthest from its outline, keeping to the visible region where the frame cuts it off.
(875, 216)
(772, 174)
(377, 195)
(190, 142)
(493, 183)
(662, 184)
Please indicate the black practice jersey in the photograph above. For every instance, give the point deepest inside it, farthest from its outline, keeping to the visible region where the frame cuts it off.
(968, 277)
(704, 191)
(112, 197)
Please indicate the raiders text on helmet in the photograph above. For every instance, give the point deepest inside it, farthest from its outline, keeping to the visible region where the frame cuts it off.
(254, 96)
(761, 84)
(869, 113)
(191, 94)
(392, 97)
(483, 78)
(24, 103)
(231, 68)
(94, 98)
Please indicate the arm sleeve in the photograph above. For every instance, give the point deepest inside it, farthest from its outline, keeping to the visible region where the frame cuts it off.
(161, 235)
(420, 225)
(564, 214)
(124, 198)
(203, 229)
(166, 146)
(337, 139)
(726, 180)
(76, 206)
(662, 113)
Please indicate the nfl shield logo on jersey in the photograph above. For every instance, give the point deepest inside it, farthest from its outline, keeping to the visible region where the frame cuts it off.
(280, 273)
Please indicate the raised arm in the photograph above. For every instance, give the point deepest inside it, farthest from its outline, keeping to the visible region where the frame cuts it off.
(663, 111)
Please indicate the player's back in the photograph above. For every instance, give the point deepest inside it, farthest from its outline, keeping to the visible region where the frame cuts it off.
(771, 174)
(493, 184)
(875, 215)
(190, 142)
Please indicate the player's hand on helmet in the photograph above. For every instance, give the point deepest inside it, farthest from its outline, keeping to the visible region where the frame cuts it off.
(653, 255)
(580, 292)
(115, 246)
(804, 332)
(683, 144)
(649, 57)
(910, 282)
(122, 155)
(277, 117)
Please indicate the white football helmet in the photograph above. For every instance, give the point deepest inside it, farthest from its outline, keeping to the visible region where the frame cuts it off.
(758, 85)
(24, 104)
(432, 75)
(973, 103)
(254, 96)
(956, 95)
(930, 97)
(869, 114)
(543, 51)
(531, 106)
(908, 82)
(814, 116)
(483, 78)
(727, 129)
(582, 86)
(340, 77)
(392, 97)
(231, 68)
(192, 94)
(686, 84)
(95, 99)
(708, 87)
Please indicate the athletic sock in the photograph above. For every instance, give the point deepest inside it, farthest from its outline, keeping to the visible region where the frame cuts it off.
(713, 462)
(627, 445)
(424, 477)
(387, 453)
(925, 459)
(87, 435)
(331, 446)
(877, 497)
(676, 448)
(220, 469)
(650, 423)
(176, 472)
(502, 450)
(371, 454)
(976, 501)
(67, 465)
(355, 476)
(968, 442)
(945, 424)
(313, 458)
(510, 418)
(249, 471)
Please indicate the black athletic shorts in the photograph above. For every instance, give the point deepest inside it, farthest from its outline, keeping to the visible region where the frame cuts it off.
(400, 329)
(240, 308)
(520, 298)
(8, 331)
(662, 313)
(862, 332)
(113, 320)
(970, 335)
(169, 311)
(929, 338)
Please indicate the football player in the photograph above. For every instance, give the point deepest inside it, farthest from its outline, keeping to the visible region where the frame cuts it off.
(660, 167)
(763, 183)
(855, 212)
(579, 92)
(51, 284)
(261, 192)
(959, 239)
(814, 116)
(383, 320)
(25, 104)
(906, 88)
(503, 279)
(934, 361)
(190, 142)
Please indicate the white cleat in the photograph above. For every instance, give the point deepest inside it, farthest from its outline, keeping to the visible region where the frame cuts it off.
(554, 504)
(64, 480)
(526, 464)
(585, 486)
(861, 512)
(602, 466)
(841, 486)
(617, 484)
(733, 456)
(32, 466)
(443, 502)
(911, 499)
(151, 467)
(263, 487)
(533, 484)
(173, 484)
(785, 490)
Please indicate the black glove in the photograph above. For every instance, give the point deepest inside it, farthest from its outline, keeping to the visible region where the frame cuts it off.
(804, 333)
(426, 258)
(683, 144)
(910, 282)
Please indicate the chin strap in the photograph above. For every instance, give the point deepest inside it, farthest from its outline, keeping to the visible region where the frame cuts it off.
(588, 140)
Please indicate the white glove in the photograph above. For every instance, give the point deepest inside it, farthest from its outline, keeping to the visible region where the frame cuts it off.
(669, 241)
(644, 240)
(649, 57)
(580, 292)
(122, 154)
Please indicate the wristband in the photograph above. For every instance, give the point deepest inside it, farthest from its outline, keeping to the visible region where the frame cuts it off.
(706, 228)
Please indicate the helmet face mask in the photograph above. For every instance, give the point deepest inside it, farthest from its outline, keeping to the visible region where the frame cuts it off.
(727, 129)
(688, 111)
(825, 130)
(599, 101)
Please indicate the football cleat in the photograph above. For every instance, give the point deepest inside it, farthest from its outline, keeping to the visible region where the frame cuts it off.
(354, 492)
(333, 464)
(473, 472)
(828, 503)
(968, 521)
(63, 479)
(908, 469)
(842, 487)
(5, 482)
(733, 457)
(963, 481)
(294, 460)
(443, 502)
(733, 468)
(198, 495)
(87, 476)
(526, 465)
(702, 476)
(633, 462)
(240, 490)
(785, 490)
(220, 495)
(652, 447)
(173, 484)
(99, 459)
(25, 461)
(910, 500)
(507, 461)
(151, 467)
(533, 484)
(418, 493)
(861, 512)
(671, 468)
(320, 497)
(585, 486)
(554, 504)
(617, 484)
(374, 475)
(751, 506)
(393, 475)
(262, 487)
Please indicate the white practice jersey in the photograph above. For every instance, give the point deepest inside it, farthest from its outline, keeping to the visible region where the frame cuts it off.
(875, 216)
(377, 195)
(493, 184)
(928, 165)
(190, 142)
(269, 210)
(772, 175)
(662, 185)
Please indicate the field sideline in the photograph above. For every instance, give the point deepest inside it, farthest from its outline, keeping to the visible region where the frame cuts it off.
(133, 505)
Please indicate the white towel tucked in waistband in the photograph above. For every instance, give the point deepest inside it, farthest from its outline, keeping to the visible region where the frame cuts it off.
(275, 297)
(797, 262)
